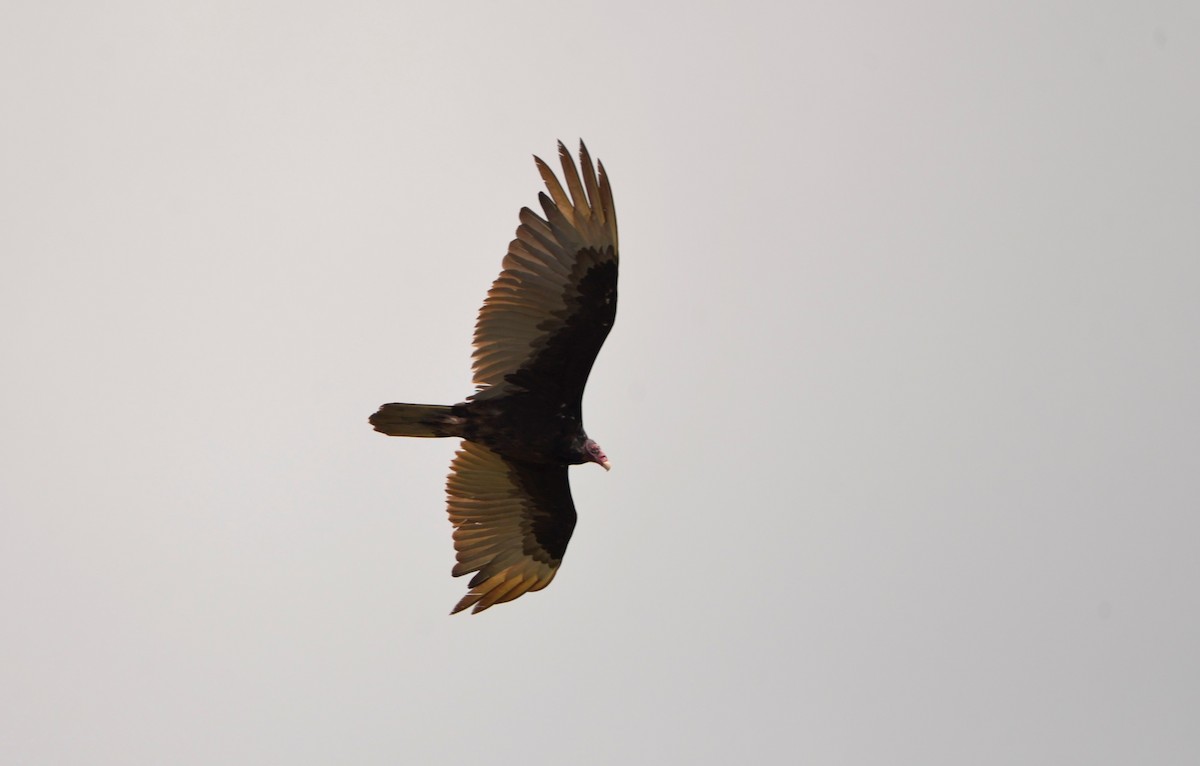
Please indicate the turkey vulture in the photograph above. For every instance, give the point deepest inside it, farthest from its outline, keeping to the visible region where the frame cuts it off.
(537, 335)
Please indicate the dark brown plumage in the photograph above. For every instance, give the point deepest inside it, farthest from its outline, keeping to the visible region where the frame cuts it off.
(539, 331)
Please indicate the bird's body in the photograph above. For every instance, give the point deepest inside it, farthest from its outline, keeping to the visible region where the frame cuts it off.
(539, 331)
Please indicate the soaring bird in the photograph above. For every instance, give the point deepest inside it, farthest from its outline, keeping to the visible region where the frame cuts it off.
(538, 333)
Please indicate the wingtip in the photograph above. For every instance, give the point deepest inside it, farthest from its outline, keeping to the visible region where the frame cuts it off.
(464, 603)
(565, 153)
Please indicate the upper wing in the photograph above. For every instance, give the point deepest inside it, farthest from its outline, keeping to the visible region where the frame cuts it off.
(511, 522)
(551, 308)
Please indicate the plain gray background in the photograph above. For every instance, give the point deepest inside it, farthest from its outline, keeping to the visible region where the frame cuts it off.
(902, 395)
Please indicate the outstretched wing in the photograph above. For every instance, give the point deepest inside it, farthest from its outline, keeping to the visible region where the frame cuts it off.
(548, 313)
(512, 522)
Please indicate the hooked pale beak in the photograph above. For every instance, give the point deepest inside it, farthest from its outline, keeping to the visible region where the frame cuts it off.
(593, 453)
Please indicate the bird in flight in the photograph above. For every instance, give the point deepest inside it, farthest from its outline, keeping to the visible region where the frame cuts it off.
(538, 333)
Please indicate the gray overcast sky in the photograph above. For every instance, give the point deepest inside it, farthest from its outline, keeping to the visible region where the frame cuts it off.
(901, 396)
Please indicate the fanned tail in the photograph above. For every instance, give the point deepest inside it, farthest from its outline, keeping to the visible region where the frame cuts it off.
(424, 420)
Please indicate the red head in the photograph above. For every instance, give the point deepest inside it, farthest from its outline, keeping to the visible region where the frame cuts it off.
(595, 454)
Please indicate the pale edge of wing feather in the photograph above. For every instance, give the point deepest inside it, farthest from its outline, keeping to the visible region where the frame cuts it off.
(608, 206)
(589, 180)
